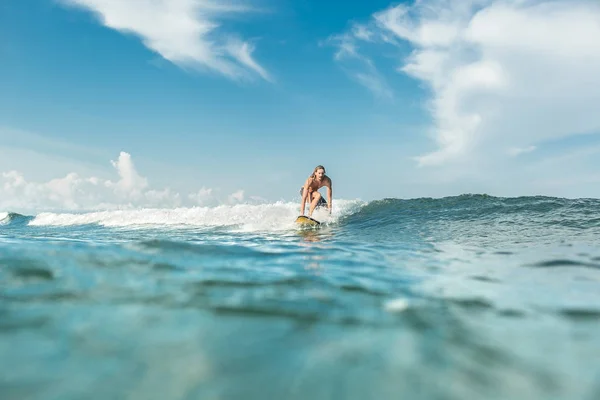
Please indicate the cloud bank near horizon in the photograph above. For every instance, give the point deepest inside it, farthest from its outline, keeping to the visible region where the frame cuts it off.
(504, 77)
(129, 190)
(186, 32)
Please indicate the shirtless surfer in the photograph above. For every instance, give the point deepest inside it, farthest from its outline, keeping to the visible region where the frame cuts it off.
(310, 191)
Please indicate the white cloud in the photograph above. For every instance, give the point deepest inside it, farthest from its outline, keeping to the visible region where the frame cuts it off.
(236, 197)
(131, 183)
(74, 192)
(185, 32)
(503, 75)
(362, 32)
(346, 47)
(202, 197)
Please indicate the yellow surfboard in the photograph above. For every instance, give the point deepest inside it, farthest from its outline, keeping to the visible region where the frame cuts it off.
(307, 221)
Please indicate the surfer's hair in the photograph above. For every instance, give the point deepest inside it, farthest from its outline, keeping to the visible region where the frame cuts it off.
(318, 167)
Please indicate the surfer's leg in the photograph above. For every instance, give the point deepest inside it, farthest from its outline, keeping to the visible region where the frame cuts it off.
(316, 196)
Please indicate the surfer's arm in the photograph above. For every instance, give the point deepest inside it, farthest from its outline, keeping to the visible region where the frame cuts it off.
(304, 196)
(329, 196)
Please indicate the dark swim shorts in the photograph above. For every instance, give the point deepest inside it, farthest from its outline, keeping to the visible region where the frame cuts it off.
(322, 202)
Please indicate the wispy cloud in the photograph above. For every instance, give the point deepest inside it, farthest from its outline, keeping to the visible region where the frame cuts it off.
(359, 67)
(372, 80)
(242, 52)
(515, 151)
(185, 32)
(503, 75)
(75, 192)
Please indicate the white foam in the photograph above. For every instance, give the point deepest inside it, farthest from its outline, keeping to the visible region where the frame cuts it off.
(3, 217)
(247, 217)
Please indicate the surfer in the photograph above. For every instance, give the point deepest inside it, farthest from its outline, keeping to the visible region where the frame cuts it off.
(310, 191)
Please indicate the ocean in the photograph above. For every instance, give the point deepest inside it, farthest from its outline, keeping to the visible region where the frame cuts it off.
(464, 297)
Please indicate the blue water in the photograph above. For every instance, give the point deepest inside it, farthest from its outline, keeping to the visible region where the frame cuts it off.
(467, 297)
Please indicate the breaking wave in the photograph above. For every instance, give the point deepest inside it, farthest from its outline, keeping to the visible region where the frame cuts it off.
(276, 216)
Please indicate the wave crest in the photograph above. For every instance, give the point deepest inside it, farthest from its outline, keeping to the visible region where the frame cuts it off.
(10, 218)
(276, 216)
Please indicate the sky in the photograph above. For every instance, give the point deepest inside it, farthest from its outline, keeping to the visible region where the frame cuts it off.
(177, 103)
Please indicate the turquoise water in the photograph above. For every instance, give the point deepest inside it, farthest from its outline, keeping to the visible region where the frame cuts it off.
(465, 297)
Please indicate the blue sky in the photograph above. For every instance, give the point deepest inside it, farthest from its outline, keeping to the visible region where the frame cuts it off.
(395, 99)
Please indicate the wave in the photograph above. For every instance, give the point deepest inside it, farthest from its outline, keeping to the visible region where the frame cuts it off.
(10, 218)
(480, 207)
(276, 216)
(458, 214)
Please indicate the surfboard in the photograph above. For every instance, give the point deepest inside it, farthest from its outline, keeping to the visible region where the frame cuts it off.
(307, 221)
